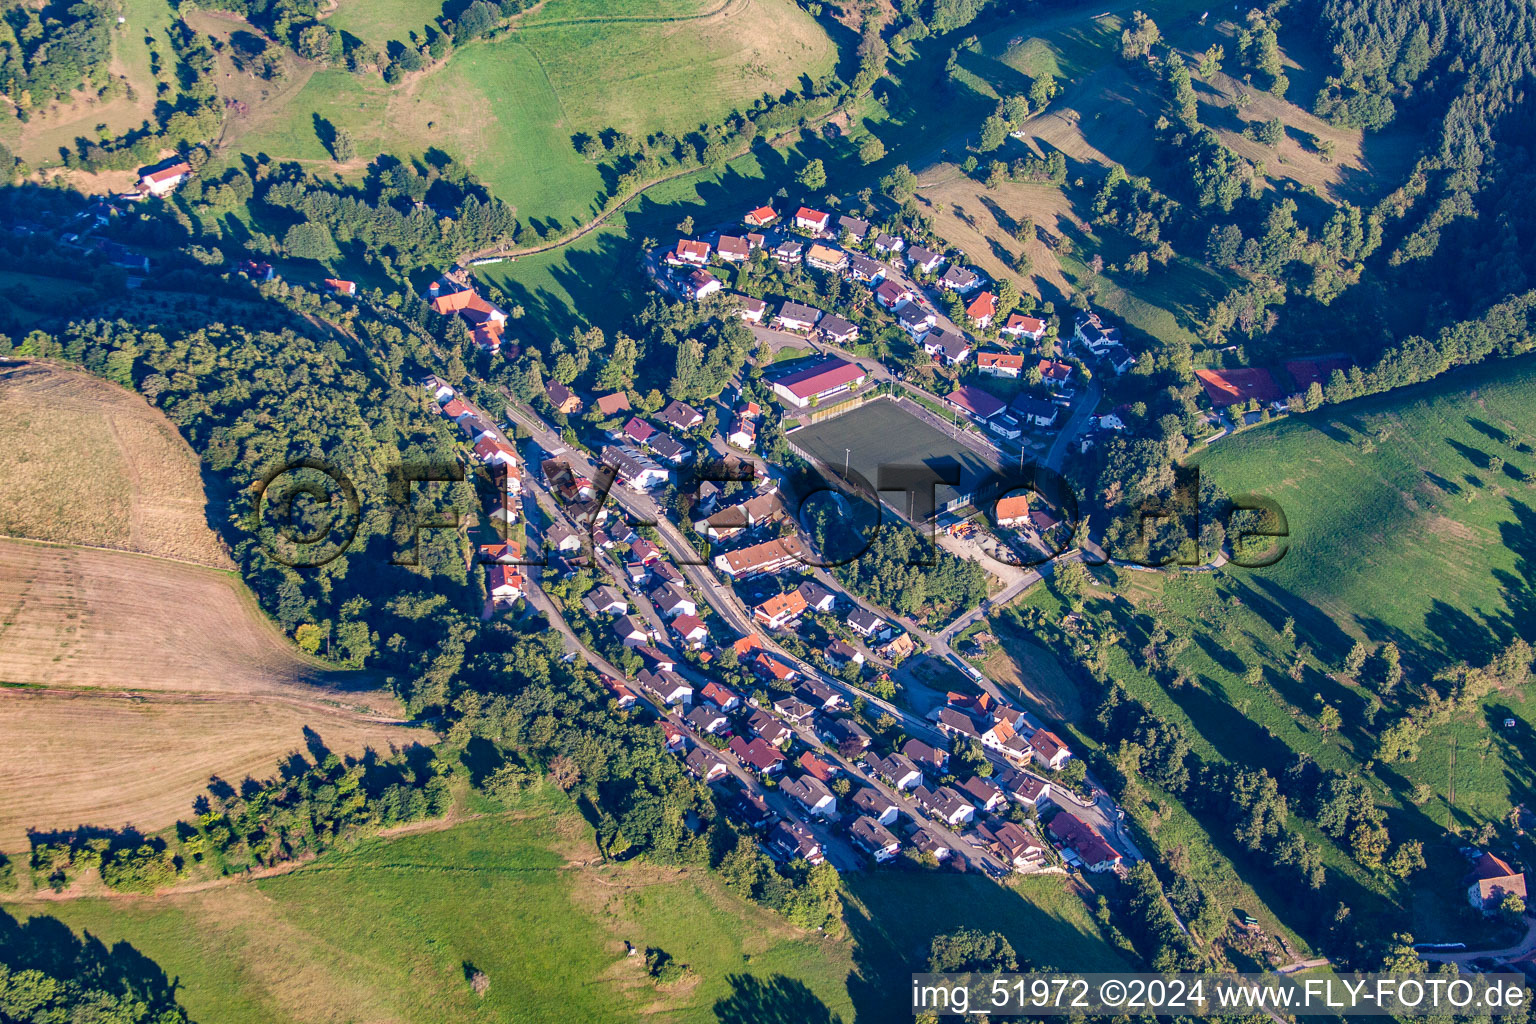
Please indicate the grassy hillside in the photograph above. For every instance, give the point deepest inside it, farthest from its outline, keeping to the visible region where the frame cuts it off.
(392, 930)
(510, 107)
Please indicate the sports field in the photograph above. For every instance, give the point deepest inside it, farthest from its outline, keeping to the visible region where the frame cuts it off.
(881, 433)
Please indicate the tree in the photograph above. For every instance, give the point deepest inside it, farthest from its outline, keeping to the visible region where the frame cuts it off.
(1071, 582)
(971, 949)
(813, 176)
(1328, 718)
(1042, 91)
(900, 184)
(1408, 858)
(1210, 61)
(343, 147)
(994, 132)
(310, 241)
(1354, 661)
(871, 150)
(1016, 110)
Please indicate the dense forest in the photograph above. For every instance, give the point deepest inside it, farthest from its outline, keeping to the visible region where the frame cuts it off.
(49, 51)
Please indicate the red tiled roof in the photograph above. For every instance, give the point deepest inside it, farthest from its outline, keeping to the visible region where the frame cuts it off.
(1014, 506)
(166, 173)
(1082, 837)
(977, 402)
(806, 213)
(1054, 370)
(1228, 387)
(982, 306)
(1027, 324)
(760, 216)
(1305, 372)
(1007, 360)
(688, 247)
(816, 380)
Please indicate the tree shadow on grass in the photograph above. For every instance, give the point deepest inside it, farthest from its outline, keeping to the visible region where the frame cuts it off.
(775, 1000)
(47, 944)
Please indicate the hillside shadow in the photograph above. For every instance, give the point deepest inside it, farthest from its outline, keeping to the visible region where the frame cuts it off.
(47, 944)
(1461, 636)
(778, 999)
(1515, 587)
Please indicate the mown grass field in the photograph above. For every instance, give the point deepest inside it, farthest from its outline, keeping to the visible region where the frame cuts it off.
(510, 107)
(391, 930)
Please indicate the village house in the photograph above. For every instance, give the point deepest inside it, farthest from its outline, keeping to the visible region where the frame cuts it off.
(818, 694)
(761, 559)
(631, 631)
(493, 451)
(1056, 374)
(817, 597)
(795, 316)
(1012, 845)
(950, 348)
(898, 771)
(976, 403)
(1036, 410)
(562, 398)
(930, 759)
(925, 841)
(672, 737)
(689, 253)
(721, 696)
(1119, 359)
(749, 309)
(789, 251)
(1000, 364)
(164, 180)
(559, 537)
(1090, 331)
(733, 249)
(758, 755)
(1082, 843)
(924, 259)
(984, 793)
(892, 294)
(690, 629)
(812, 220)
(637, 472)
(857, 229)
(953, 723)
(666, 686)
(817, 383)
(706, 765)
(1022, 787)
(813, 765)
(981, 309)
(837, 331)
(1002, 737)
(889, 243)
(824, 257)
(743, 434)
(770, 729)
(846, 734)
(916, 320)
(1012, 510)
(612, 404)
(794, 709)
(1021, 326)
(348, 288)
(960, 280)
(1049, 748)
(504, 583)
(868, 625)
(752, 811)
(671, 601)
(669, 449)
(811, 793)
(485, 320)
(1491, 881)
(945, 804)
(864, 269)
(869, 800)
(840, 652)
(874, 838)
(899, 646)
(760, 217)
(604, 600)
(770, 667)
(780, 610)
(707, 720)
(795, 842)
(680, 416)
(623, 696)
(700, 285)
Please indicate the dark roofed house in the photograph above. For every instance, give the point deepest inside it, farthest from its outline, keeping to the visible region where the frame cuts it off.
(840, 651)
(889, 243)
(562, 398)
(924, 259)
(706, 719)
(1012, 844)
(811, 793)
(846, 733)
(769, 728)
(668, 448)
(948, 347)
(862, 268)
(789, 251)
(705, 764)
(899, 771)
(959, 279)
(837, 330)
(874, 838)
(795, 841)
(818, 694)
(869, 625)
(945, 804)
(817, 597)
(958, 723)
(1036, 410)
(796, 316)
(984, 793)
(793, 708)
(733, 249)
(926, 757)
(855, 227)
(680, 416)
(869, 800)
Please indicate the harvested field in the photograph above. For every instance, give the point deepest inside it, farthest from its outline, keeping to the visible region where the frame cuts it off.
(84, 618)
(118, 476)
(133, 679)
(113, 759)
